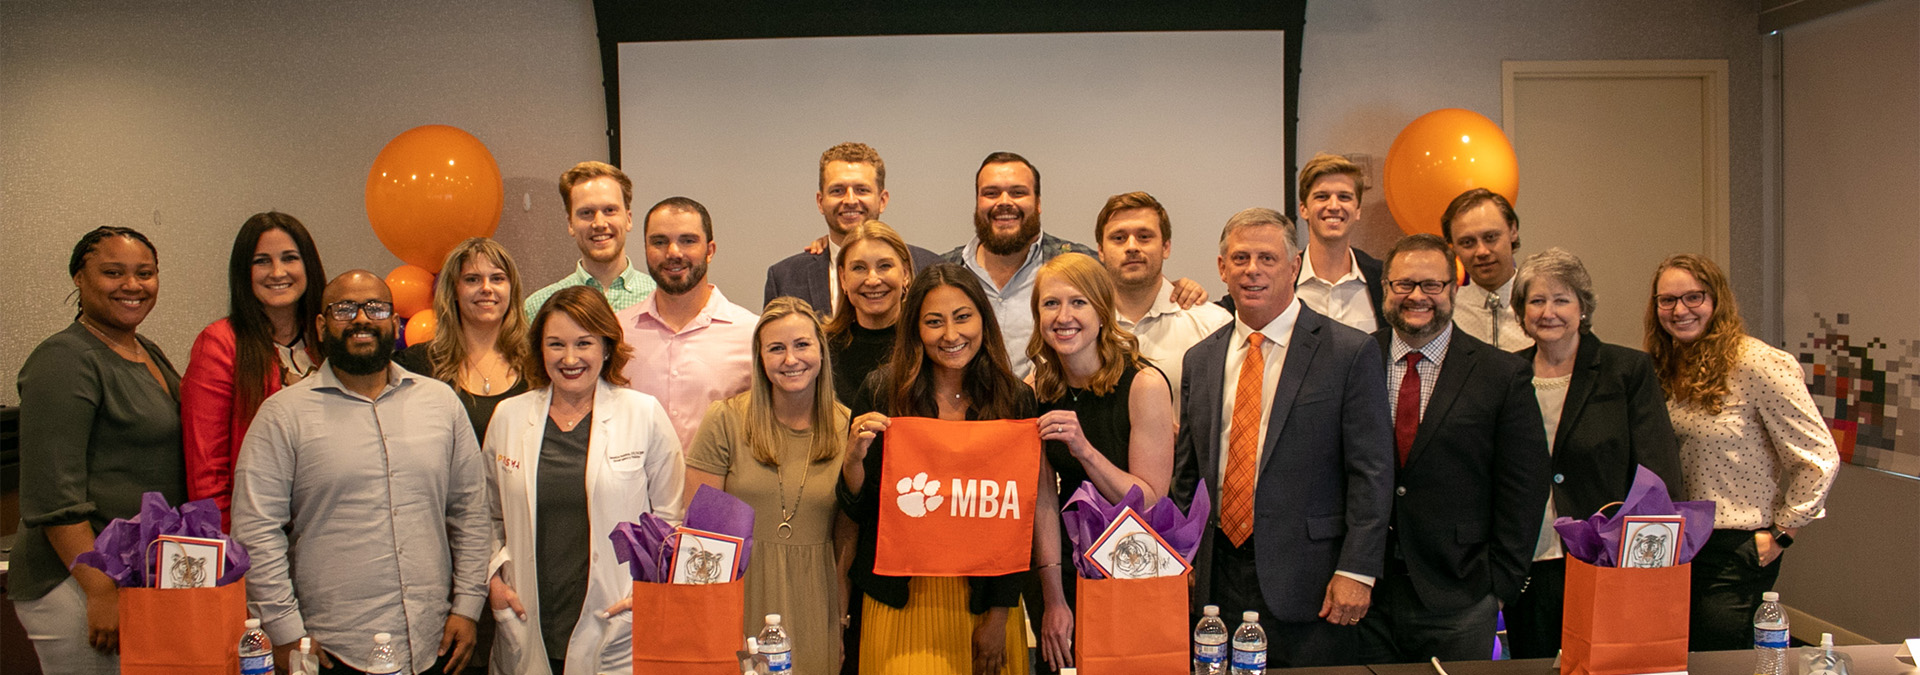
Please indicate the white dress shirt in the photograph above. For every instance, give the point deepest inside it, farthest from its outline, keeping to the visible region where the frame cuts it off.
(1488, 315)
(1166, 332)
(1344, 300)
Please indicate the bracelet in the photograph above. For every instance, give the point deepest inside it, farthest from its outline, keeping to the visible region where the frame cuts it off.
(1042, 567)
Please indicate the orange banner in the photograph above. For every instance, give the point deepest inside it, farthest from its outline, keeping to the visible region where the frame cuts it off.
(957, 498)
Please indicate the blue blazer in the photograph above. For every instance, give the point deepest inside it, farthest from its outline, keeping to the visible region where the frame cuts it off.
(804, 275)
(1467, 506)
(1326, 464)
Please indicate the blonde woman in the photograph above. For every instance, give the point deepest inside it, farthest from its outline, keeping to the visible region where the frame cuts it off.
(1106, 415)
(778, 446)
(1751, 440)
(482, 340)
(875, 266)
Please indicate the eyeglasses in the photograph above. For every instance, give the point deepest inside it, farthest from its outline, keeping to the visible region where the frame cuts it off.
(1406, 286)
(1691, 300)
(345, 310)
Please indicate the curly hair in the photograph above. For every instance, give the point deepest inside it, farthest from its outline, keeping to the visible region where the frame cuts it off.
(1695, 373)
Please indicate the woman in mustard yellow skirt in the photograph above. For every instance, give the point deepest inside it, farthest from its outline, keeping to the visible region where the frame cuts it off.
(949, 363)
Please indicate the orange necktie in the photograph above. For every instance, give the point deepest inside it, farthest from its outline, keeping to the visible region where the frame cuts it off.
(1243, 447)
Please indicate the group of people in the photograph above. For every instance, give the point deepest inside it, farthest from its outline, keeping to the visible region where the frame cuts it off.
(1386, 469)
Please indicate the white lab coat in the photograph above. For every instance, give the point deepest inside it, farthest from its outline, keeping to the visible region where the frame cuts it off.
(634, 466)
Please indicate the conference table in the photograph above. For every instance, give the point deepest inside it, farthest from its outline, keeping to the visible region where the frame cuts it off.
(1867, 660)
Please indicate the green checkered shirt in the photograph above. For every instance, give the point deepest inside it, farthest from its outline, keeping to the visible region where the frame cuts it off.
(627, 290)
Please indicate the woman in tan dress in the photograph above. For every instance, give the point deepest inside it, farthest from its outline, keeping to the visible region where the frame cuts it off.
(778, 447)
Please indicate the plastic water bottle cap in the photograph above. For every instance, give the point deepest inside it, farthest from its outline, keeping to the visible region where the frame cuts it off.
(252, 623)
(382, 638)
(1826, 640)
(753, 645)
(1250, 617)
(1210, 610)
(1770, 596)
(773, 619)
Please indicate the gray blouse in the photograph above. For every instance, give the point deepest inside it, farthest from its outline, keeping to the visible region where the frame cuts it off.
(96, 431)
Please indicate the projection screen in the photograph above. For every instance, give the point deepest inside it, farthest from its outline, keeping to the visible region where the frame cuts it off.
(1194, 118)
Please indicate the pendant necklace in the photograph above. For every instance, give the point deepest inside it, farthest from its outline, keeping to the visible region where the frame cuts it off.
(135, 353)
(486, 383)
(786, 516)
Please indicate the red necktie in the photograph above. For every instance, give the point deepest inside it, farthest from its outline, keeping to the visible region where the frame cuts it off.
(1243, 446)
(1406, 411)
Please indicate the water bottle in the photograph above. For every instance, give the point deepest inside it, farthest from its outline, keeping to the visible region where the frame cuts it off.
(1826, 661)
(1249, 646)
(775, 648)
(1210, 643)
(1770, 637)
(383, 660)
(256, 652)
(309, 661)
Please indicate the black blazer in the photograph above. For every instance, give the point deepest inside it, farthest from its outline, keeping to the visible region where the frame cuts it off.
(1615, 418)
(804, 275)
(1321, 503)
(1468, 503)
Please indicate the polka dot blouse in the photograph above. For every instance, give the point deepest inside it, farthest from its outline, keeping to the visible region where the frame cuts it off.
(1767, 458)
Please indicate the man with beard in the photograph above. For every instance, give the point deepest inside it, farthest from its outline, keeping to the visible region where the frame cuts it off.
(1336, 279)
(599, 201)
(360, 494)
(1484, 232)
(1285, 422)
(690, 346)
(1008, 248)
(1135, 238)
(1471, 477)
(853, 190)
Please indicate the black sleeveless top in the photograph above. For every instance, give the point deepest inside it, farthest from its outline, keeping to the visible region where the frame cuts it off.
(1104, 420)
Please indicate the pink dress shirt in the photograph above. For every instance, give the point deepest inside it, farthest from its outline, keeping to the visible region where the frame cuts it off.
(707, 360)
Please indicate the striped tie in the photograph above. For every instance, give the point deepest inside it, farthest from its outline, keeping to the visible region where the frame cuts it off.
(1243, 447)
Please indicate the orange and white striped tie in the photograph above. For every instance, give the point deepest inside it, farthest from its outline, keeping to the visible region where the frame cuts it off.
(1243, 447)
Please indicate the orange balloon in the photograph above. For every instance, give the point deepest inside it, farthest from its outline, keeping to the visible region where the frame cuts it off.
(420, 328)
(412, 290)
(1440, 155)
(431, 188)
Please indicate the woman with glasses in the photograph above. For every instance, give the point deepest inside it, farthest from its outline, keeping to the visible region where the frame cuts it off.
(1751, 440)
(268, 340)
(577, 455)
(99, 427)
(1604, 417)
(483, 337)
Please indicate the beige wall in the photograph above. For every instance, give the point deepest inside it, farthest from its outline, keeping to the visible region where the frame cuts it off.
(183, 118)
(1369, 67)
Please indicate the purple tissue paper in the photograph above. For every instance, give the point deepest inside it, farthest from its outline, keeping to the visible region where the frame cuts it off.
(646, 545)
(122, 548)
(1596, 539)
(1087, 514)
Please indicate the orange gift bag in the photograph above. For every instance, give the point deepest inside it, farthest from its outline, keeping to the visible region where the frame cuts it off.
(182, 631)
(1127, 626)
(1625, 620)
(687, 629)
(957, 498)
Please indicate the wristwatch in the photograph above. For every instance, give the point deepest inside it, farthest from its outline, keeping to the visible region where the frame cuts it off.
(1780, 536)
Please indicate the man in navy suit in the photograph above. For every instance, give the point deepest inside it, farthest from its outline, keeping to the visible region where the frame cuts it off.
(1284, 418)
(853, 190)
(1471, 471)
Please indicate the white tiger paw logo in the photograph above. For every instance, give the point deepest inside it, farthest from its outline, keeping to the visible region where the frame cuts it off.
(918, 495)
